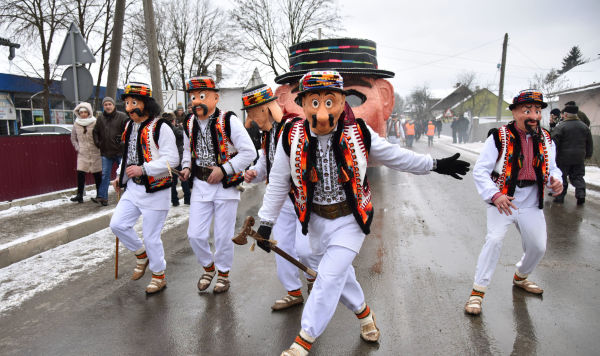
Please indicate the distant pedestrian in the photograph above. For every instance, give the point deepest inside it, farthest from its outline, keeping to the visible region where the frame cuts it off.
(409, 131)
(180, 114)
(107, 135)
(580, 114)
(462, 128)
(185, 185)
(554, 118)
(430, 133)
(516, 164)
(395, 133)
(88, 154)
(573, 145)
(454, 128)
(438, 126)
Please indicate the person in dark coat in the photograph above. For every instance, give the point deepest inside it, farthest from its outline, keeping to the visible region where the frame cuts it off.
(462, 126)
(185, 185)
(580, 114)
(554, 118)
(107, 136)
(573, 145)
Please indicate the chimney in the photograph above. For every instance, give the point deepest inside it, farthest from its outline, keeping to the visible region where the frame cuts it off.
(218, 73)
(457, 85)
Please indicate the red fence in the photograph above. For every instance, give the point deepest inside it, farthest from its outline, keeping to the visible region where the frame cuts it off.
(32, 165)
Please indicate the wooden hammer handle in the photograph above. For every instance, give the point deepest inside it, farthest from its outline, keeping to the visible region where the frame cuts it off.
(294, 261)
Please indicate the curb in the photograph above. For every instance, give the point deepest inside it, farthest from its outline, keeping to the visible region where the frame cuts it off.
(29, 248)
(40, 198)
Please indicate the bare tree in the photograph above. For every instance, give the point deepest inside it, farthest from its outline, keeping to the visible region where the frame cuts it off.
(550, 82)
(133, 50)
(466, 79)
(36, 20)
(269, 29)
(420, 99)
(399, 104)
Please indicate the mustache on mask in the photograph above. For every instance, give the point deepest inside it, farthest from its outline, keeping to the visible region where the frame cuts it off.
(314, 123)
(532, 132)
(136, 111)
(202, 106)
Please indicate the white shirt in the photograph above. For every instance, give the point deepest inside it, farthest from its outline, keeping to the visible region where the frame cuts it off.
(383, 152)
(482, 175)
(136, 193)
(246, 154)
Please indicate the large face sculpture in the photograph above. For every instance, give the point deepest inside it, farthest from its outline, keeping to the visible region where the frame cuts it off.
(371, 99)
(204, 102)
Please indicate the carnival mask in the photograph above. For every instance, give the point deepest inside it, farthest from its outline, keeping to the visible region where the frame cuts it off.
(204, 102)
(323, 109)
(264, 115)
(134, 107)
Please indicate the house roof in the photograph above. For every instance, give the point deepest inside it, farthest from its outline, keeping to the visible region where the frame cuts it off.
(12, 83)
(452, 98)
(583, 74)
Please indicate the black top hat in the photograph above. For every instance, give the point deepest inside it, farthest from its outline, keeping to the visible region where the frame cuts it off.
(344, 55)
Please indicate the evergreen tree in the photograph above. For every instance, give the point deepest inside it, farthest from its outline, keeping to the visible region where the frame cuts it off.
(572, 59)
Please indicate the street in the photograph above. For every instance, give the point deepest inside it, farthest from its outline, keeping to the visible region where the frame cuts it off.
(416, 269)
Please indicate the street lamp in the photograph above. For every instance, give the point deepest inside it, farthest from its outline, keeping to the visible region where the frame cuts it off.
(31, 104)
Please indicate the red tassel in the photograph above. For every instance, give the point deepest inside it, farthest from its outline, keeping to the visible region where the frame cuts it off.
(343, 175)
(313, 175)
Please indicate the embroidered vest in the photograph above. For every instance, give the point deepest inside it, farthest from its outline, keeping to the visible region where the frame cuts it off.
(147, 150)
(266, 140)
(510, 160)
(220, 132)
(351, 145)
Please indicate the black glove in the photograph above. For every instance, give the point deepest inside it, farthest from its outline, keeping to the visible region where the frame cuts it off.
(265, 232)
(452, 166)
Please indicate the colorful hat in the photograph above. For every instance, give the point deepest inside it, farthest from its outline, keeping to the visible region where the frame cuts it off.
(258, 95)
(136, 89)
(528, 96)
(200, 83)
(344, 55)
(321, 80)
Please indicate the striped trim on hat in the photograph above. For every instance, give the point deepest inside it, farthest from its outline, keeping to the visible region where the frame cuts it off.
(528, 96)
(256, 96)
(137, 89)
(321, 80)
(201, 83)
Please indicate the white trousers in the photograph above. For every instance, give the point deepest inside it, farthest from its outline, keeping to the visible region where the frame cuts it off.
(305, 254)
(284, 231)
(531, 224)
(201, 215)
(336, 280)
(124, 218)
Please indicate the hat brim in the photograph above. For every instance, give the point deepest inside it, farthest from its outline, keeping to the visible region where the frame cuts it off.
(543, 104)
(294, 76)
(213, 89)
(123, 96)
(259, 104)
(298, 99)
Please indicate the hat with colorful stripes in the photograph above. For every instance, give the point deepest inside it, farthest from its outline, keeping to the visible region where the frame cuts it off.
(321, 80)
(136, 89)
(200, 83)
(528, 96)
(258, 95)
(344, 55)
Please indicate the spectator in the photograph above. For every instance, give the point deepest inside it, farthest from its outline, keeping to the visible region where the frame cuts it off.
(177, 127)
(395, 133)
(180, 115)
(107, 135)
(580, 114)
(462, 129)
(88, 155)
(554, 118)
(189, 108)
(430, 133)
(454, 128)
(409, 131)
(438, 126)
(573, 145)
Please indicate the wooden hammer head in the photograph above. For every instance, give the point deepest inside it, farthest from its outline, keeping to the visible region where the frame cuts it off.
(242, 237)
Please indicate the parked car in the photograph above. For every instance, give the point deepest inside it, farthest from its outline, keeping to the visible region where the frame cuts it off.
(50, 129)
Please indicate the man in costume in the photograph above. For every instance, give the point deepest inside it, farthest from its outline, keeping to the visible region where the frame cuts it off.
(259, 103)
(516, 163)
(216, 151)
(149, 147)
(321, 164)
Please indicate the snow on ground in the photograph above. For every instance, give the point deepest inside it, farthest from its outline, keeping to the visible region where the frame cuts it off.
(15, 210)
(22, 280)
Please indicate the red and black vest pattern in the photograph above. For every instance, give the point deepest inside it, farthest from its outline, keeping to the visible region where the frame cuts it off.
(351, 145)
(510, 160)
(220, 132)
(147, 150)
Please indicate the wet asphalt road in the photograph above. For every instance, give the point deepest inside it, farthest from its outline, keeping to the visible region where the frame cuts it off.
(416, 269)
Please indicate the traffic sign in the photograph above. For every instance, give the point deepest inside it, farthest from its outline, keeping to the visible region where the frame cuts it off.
(77, 50)
(84, 84)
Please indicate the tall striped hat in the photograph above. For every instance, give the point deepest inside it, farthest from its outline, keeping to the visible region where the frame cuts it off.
(321, 80)
(344, 55)
(200, 83)
(528, 96)
(256, 96)
(136, 89)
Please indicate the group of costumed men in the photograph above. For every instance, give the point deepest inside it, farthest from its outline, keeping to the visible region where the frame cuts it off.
(314, 158)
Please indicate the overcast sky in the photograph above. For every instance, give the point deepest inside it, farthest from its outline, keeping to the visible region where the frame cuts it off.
(432, 42)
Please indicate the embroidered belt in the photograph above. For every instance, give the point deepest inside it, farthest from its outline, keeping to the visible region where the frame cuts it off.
(525, 183)
(202, 173)
(332, 211)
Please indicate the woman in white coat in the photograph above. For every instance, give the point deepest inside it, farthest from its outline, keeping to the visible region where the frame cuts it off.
(88, 155)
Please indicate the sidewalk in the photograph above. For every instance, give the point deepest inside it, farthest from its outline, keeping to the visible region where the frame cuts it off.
(592, 173)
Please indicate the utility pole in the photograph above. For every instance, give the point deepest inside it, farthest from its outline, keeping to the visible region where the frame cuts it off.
(502, 69)
(153, 52)
(115, 50)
